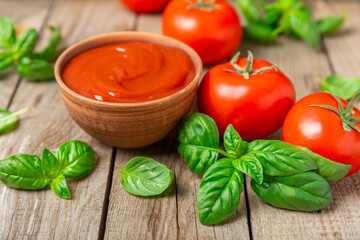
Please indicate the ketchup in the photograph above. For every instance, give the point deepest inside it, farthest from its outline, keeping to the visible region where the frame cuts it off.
(129, 72)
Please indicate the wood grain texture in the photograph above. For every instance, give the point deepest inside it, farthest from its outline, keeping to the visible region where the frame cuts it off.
(42, 214)
(32, 16)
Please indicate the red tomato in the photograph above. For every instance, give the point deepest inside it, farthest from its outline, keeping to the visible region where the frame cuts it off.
(214, 34)
(256, 107)
(321, 130)
(145, 6)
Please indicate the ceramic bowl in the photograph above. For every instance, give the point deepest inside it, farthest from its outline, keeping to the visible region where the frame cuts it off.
(128, 125)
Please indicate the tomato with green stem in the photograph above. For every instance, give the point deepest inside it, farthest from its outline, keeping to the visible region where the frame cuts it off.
(328, 126)
(145, 6)
(251, 94)
(212, 28)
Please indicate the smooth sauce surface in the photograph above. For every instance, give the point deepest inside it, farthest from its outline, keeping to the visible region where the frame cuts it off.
(128, 72)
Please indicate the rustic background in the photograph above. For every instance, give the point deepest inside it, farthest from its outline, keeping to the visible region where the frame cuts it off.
(100, 207)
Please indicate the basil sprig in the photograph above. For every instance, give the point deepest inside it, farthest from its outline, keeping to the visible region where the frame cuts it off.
(144, 176)
(72, 159)
(18, 52)
(267, 20)
(283, 175)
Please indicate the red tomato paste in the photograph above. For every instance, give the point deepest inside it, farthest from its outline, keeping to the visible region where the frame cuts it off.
(128, 72)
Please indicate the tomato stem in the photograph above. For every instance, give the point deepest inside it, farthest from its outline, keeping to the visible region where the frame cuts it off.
(202, 5)
(345, 114)
(249, 66)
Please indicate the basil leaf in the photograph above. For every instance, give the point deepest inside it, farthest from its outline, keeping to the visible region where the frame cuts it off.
(60, 188)
(344, 87)
(7, 33)
(272, 17)
(35, 69)
(199, 142)
(302, 26)
(219, 192)
(233, 143)
(279, 158)
(50, 165)
(6, 60)
(25, 43)
(9, 121)
(76, 159)
(250, 11)
(330, 25)
(285, 5)
(50, 51)
(330, 170)
(23, 171)
(144, 176)
(251, 166)
(259, 33)
(302, 192)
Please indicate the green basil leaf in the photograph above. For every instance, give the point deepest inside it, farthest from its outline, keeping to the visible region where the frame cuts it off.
(330, 170)
(144, 176)
(51, 166)
(76, 159)
(25, 43)
(344, 87)
(302, 26)
(60, 188)
(9, 121)
(251, 166)
(7, 33)
(35, 69)
(330, 25)
(199, 142)
(6, 60)
(219, 192)
(50, 51)
(259, 33)
(272, 17)
(233, 143)
(279, 158)
(301, 192)
(23, 171)
(285, 5)
(250, 11)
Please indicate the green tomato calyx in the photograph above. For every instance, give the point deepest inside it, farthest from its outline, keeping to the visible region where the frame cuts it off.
(345, 114)
(249, 66)
(202, 5)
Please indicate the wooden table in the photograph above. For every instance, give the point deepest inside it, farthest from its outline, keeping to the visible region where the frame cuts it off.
(100, 207)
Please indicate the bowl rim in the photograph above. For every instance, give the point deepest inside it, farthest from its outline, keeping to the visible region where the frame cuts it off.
(148, 37)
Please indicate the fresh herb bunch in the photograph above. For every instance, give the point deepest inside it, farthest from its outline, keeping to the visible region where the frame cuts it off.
(267, 20)
(9, 121)
(283, 175)
(18, 52)
(73, 159)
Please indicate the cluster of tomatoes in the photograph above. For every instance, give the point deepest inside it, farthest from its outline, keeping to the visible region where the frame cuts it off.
(251, 94)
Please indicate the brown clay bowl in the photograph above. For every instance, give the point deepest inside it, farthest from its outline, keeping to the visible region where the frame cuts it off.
(128, 125)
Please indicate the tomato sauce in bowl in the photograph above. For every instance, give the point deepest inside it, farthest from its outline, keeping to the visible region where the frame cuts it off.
(129, 72)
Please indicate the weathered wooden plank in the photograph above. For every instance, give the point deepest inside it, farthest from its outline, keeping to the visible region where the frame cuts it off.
(32, 17)
(42, 214)
(131, 217)
(179, 218)
(304, 66)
